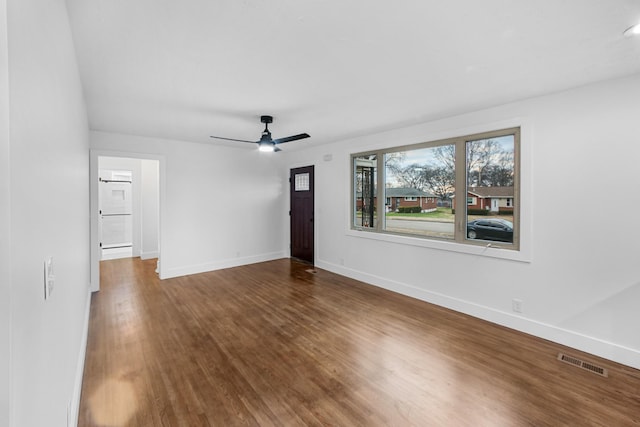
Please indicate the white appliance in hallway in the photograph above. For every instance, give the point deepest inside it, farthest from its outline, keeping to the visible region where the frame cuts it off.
(115, 214)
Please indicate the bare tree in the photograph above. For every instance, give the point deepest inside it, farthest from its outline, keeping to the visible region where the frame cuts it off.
(445, 155)
(411, 176)
(481, 155)
(498, 176)
(393, 161)
(440, 181)
(501, 173)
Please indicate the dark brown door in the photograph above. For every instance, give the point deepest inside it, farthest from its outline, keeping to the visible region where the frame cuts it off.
(301, 184)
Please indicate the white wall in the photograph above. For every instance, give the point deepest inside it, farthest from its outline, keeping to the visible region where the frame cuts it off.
(221, 206)
(5, 225)
(149, 209)
(580, 280)
(49, 199)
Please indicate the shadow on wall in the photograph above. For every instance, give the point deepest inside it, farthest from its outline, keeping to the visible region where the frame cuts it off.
(609, 319)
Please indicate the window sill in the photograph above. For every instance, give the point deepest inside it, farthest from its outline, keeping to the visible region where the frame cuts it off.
(491, 250)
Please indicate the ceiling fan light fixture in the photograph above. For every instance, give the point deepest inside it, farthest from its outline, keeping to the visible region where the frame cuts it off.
(266, 146)
(266, 143)
(632, 31)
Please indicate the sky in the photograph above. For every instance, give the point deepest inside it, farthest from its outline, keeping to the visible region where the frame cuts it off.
(425, 155)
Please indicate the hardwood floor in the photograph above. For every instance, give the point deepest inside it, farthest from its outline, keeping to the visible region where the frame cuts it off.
(272, 344)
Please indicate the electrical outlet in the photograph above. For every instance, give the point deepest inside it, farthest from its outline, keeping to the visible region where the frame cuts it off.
(516, 305)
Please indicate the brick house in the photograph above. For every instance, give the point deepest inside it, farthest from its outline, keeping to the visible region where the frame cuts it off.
(405, 197)
(495, 199)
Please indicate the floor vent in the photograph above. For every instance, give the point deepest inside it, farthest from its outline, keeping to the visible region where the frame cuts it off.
(583, 365)
(312, 271)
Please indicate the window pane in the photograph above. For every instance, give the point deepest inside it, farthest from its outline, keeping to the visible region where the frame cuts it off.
(364, 181)
(416, 189)
(301, 182)
(419, 186)
(490, 188)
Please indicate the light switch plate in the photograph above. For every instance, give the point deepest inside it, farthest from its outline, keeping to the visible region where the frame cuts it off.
(49, 277)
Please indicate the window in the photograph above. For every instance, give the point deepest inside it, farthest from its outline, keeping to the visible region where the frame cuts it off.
(301, 182)
(482, 169)
(364, 185)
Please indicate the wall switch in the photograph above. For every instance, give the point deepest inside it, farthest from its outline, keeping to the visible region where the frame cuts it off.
(516, 305)
(49, 277)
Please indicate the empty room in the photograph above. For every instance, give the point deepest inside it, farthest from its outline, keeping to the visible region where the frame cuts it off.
(292, 213)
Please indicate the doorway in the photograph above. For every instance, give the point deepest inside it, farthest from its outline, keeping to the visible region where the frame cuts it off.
(302, 199)
(126, 202)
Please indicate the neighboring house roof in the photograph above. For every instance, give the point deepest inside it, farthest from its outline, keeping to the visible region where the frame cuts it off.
(491, 192)
(406, 192)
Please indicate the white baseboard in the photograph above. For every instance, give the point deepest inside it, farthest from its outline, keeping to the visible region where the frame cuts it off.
(611, 351)
(149, 255)
(77, 385)
(218, 265)
(115, 253)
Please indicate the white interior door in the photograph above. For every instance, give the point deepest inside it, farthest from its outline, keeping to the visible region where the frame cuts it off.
(115, 219)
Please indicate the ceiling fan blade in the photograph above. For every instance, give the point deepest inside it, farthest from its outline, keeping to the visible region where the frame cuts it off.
(232, 139)
(291, 138)
(276, 149)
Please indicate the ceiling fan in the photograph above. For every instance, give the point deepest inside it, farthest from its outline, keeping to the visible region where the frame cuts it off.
(266, 143)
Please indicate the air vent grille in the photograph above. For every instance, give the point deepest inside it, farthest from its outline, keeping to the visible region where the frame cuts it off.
(583, 365)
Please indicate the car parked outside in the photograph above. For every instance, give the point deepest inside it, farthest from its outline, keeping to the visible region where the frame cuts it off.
(494, 229)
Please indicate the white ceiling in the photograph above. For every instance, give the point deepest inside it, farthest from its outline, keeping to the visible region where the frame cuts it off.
(188, 69)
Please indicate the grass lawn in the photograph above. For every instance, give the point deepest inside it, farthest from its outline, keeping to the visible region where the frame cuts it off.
(440, 213)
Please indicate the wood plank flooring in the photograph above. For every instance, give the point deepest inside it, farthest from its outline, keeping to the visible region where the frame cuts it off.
(272, 344)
